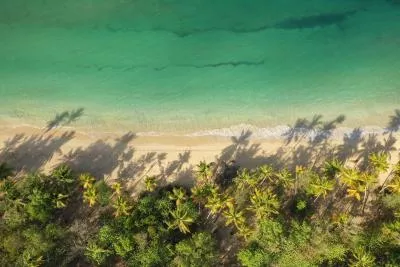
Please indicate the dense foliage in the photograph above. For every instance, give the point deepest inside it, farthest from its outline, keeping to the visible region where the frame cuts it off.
(332, 215)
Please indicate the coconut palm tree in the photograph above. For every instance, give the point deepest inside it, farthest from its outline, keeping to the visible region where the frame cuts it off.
(320, 186)
(178, 194)
(394, 185)
(121, 207)
(355, 191)
(86, 180)
(263, 203)
(60, 201)
(284, 178)
(181, 220)
(233, 216)
(204, 171)
(349, 177)
(379, 162)
(216, 201)
(362, 258)
(244, 231)
(150, 183)
(245, 179)
(117, 188)
(90, 196)
(201, 193)
(333, 167)
(264, 172)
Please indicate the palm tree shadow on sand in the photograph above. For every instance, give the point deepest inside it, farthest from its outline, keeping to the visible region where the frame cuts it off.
(307, 143)
(64, 118)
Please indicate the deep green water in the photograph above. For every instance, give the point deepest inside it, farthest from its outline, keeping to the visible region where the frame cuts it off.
(174, 65)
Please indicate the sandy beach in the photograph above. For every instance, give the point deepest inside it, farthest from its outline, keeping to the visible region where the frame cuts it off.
(131, 157)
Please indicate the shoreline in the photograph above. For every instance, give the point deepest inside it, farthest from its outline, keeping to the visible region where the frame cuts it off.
(130, 156)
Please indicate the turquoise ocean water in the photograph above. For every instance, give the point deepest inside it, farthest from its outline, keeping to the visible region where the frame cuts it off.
(184, 66)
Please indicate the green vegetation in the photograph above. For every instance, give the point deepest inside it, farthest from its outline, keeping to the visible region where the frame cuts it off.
(331, 215)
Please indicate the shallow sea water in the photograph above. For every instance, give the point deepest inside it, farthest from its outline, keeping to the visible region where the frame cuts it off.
(185, 66)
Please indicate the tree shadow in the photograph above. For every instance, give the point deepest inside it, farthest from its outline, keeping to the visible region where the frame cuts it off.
(101, 158)
(31, 153)
(394, 122)
(64, 118)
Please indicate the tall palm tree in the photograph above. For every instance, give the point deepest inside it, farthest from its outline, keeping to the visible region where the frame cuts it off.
(263, 203)
(245, 179)
(204, 171)
(379, 162)
(362, 258)
(178, 194)
(284, 178)
(121, 207)
(117, 188)
(216, 201)
(86, 180)
(355, 191)
(320, 186)
(233, 216)
(394, 185)
(333, 167)
(150, 183)
(264, 172)
(90, 196)
(181, 220)
(60, 201)
(349, 177)
(201, 193)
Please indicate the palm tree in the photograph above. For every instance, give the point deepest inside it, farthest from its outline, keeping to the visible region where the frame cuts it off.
(264, 203)
(320, 186)
(245, 179)
(90, 196)
(394, 185)
(362, 258)
(284, 178)
(150, 183)
(216, 201)
(86, 180)
(200, 193)
(394, 174)
(204, 171)
(233, 216)
(355, 192)
(30, 261)
(181, 220)
(178, 194)
(59, 201)
(265, 172)
(349, 177)
(333, 167)
(379, 162)
(117, 188)
(121, 207)
(245, 231)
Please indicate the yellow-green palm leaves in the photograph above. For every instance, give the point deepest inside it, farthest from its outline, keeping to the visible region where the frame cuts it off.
(204, 171)
(178, 194)
(263, 203)
(86, 180)
(320, 186)
(90, 196)
(394, 185)
(181, 219)
(121, 207)
(233, 215)
(60, 200)
(150, 183)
